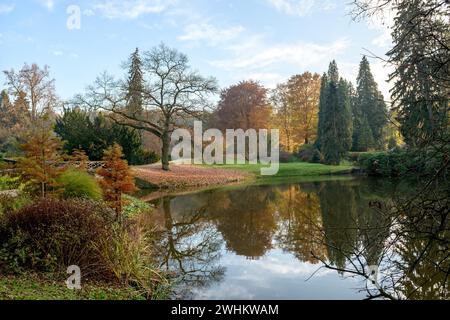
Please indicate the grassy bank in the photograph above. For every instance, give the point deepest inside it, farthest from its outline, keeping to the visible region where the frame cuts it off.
(294, 169)
(183, 178)
(31, 286)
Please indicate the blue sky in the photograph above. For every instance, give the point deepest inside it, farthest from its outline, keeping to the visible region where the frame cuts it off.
(264, 40)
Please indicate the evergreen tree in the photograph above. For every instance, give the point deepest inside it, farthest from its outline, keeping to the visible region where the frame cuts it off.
(421, 56)
(364, 138)
(322, 106)
(335, 117)
(135, 84)
(369, 106)
(5, 107)
(346, 96)
(94, 133)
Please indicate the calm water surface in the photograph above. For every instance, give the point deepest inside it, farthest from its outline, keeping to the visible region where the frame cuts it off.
(259, 242)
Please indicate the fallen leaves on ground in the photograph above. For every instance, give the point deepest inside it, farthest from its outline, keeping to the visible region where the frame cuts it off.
(185, 176)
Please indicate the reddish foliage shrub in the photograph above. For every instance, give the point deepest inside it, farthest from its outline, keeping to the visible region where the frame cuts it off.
(52, 234)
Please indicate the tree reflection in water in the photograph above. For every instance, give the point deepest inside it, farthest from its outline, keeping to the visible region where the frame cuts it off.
(299, 223)
(190, 247)
(246, 220)
(348, 226)
(406, 236)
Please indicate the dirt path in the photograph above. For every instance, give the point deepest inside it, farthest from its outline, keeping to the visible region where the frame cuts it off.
(187, 176)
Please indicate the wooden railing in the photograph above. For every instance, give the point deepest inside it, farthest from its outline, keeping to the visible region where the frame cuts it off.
(91, 165)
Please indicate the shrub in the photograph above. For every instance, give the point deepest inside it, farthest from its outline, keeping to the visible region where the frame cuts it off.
(126, 254)
(390, 164)
(52, 234)
(309, 153)
(353, 156)
(79, 184)
(9, 183)
(286, 157)
(133, 206)
(12, 202)
(145, 157)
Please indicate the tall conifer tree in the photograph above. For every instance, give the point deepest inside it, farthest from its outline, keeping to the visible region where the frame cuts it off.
(369, 106)
(421, 78)
(135, 84)
(335, 118)
(322, 107)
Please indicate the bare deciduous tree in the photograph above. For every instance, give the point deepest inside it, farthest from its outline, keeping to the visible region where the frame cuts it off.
(37, 86)
(172, 94)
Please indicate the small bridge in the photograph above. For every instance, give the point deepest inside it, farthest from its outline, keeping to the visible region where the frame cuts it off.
(91, 165)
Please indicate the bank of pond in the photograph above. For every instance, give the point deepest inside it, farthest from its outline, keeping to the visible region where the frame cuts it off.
(289, 237)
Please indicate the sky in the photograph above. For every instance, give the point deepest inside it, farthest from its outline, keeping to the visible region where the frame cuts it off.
(263, 40)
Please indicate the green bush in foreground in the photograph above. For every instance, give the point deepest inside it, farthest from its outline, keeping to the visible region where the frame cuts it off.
(79, 184)
(9, 183)
(397, 163)
(133, 206)
(385, 164)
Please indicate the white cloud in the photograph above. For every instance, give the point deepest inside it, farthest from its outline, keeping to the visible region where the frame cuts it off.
(270, 63)
(382, 23)
(131, 9)
(88, 12)
(270, 79)
(49, 4)
(381, 73)
(209, 33)
(57, 53)
(300, 54)
(6, 8)
(383, 40)
(301, 7)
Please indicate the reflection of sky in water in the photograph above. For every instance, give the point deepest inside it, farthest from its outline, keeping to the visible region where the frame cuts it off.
(223, 228)
(277, 275)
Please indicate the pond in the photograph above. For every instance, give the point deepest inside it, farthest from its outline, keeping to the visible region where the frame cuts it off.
(270, 241)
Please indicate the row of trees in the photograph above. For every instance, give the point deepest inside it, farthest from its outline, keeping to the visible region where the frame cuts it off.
(32, 108)
(308, 108)
(161, 92)
(335, 126)
(350, 119)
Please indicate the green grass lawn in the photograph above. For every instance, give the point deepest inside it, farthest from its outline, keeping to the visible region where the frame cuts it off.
(31, 286)
(294, 169)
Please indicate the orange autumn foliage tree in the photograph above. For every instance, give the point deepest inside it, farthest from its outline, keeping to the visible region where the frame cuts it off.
(39, 167)
(304, 93)
(116, 178)
(243, 106)
(296, 105)
(80, 158)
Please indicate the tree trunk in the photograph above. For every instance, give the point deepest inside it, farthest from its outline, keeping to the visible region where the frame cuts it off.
(165, 150)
